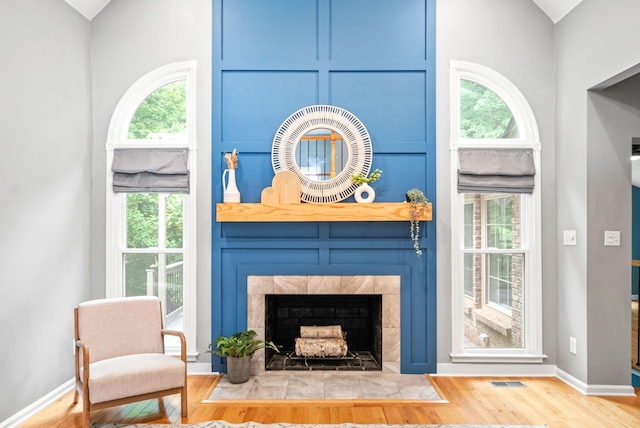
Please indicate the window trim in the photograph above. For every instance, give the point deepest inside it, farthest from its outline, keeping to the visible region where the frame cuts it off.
(486, 278)
(466, 203)
(530, 212)
(116, 203)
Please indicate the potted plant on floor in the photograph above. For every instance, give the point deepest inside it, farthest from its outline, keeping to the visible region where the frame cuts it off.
(238, 349)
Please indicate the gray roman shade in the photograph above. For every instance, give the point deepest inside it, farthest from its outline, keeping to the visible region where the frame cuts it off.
(150, 170)
(496, 171)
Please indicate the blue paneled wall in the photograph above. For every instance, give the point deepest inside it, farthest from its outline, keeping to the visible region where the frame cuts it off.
(374, 58)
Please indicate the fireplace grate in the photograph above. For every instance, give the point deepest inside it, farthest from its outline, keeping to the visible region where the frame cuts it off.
(353, 361)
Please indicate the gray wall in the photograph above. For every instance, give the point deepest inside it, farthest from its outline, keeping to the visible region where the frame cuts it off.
(131, 39)
(514, 38)
(62, 77)
(611, 125)
(45, 207)
(593, 175)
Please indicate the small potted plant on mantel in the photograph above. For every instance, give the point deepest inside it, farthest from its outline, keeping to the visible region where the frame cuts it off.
(238, 349)
(364, 188)
(418, 202)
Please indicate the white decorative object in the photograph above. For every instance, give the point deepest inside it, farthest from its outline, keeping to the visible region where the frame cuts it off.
(366, 189)
(355, 137)
(231, 192)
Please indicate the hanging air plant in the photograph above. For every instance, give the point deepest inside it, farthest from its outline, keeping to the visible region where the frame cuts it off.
(418, 202)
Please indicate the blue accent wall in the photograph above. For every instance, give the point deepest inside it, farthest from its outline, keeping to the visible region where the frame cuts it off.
(374, 58)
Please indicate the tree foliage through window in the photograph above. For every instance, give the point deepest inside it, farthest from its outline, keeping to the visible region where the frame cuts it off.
(483, 114)
(163, 112)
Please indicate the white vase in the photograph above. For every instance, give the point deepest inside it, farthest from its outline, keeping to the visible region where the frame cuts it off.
(366, 189)
(231, 192)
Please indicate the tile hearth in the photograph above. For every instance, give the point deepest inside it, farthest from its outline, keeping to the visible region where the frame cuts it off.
(327, 385)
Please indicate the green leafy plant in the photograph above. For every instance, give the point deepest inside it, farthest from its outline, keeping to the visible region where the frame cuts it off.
(241, 344)
(418, 202)
(361, 179)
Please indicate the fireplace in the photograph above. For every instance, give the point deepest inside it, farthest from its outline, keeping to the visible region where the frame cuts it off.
(358, 315)
(314, 291)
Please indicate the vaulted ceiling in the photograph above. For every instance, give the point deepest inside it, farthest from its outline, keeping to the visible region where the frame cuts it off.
(555, 9)
(88, 8)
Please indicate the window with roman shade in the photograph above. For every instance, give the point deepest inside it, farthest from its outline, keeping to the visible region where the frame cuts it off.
(151, 197)
(495, 206)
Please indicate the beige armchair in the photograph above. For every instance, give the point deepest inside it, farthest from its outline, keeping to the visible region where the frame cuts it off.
(120, 354)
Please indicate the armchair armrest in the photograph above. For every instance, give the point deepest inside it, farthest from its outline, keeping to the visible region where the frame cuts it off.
(183, 342)
(82, 349)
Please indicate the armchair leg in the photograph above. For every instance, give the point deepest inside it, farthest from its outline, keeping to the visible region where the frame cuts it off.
(86, 413)
(161, 407)
(183, 396)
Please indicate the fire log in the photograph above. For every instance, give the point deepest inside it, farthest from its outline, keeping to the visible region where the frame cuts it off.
(324, 331)
(312, 347)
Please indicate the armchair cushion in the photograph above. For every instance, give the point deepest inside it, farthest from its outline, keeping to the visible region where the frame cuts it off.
(131, 375)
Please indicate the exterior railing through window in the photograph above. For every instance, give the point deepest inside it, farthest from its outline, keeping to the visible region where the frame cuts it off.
(169, 289)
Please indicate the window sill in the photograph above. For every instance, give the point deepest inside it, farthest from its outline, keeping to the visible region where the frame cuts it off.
(497, 357)
(191, 356)
(493, 319)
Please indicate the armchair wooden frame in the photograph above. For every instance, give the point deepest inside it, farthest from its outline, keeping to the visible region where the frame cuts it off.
(82, 380)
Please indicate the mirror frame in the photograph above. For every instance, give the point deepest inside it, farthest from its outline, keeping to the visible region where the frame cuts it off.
(354, 134)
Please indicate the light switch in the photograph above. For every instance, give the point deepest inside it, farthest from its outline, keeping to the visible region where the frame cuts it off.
(612, 238)
(569, 237)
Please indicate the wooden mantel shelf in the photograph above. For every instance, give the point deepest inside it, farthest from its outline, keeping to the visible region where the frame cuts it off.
(344, 211)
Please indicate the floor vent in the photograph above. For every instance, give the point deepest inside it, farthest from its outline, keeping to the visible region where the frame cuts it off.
(507, 384)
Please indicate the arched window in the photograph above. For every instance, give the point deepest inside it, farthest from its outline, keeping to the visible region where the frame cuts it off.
(495, 171)
(151, 196)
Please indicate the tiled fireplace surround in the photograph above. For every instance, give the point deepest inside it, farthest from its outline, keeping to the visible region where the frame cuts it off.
(386, 285)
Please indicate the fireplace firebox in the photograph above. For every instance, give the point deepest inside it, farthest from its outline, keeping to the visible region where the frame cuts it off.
(359, 316)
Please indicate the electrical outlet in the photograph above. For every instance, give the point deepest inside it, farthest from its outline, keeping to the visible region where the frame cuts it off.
(572, 345)
(612, 238)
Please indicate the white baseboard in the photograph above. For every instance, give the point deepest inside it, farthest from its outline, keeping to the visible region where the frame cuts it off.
(502, 370)
(199, 369)
(34, 408)
(601, 390)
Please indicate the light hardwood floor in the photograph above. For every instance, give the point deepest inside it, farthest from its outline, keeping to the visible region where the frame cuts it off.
(471, 400)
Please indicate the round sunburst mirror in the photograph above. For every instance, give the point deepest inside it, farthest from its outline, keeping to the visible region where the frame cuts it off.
(324, 146)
